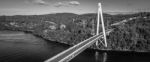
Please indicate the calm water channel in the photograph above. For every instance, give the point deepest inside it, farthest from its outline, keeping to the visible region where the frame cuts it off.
(23, 47)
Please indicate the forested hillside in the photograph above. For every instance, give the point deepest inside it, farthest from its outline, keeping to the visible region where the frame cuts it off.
(133, 35)
(71, 28)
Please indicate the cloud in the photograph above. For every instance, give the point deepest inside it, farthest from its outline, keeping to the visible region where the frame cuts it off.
(67, 3)
(39, 2)
(60, 4)
(74, 3)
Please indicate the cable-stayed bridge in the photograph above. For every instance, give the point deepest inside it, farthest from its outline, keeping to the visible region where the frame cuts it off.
(67, 55)
(70, 53)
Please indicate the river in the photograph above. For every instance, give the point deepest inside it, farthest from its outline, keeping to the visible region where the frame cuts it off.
(24, 47)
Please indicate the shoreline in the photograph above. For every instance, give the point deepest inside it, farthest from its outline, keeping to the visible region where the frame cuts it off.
(69, 45)
(106, 50)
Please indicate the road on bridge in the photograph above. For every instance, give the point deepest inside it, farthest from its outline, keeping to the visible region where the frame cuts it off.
(70, 53)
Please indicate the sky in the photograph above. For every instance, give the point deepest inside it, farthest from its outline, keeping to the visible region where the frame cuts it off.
(36, 7)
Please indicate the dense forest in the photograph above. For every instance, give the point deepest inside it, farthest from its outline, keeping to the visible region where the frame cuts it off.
(133, 35)
(71, 28)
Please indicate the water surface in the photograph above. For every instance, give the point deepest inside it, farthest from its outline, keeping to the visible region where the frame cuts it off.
(23, 47)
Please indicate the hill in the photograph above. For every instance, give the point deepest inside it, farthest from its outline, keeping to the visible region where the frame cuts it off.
(71, 28)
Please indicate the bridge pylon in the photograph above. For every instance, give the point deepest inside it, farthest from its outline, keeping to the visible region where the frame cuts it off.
(100, 16)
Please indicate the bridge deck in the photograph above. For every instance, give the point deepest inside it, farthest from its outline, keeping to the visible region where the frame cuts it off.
(70, 53)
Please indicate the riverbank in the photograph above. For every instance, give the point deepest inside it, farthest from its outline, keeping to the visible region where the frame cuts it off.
(19, 35)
